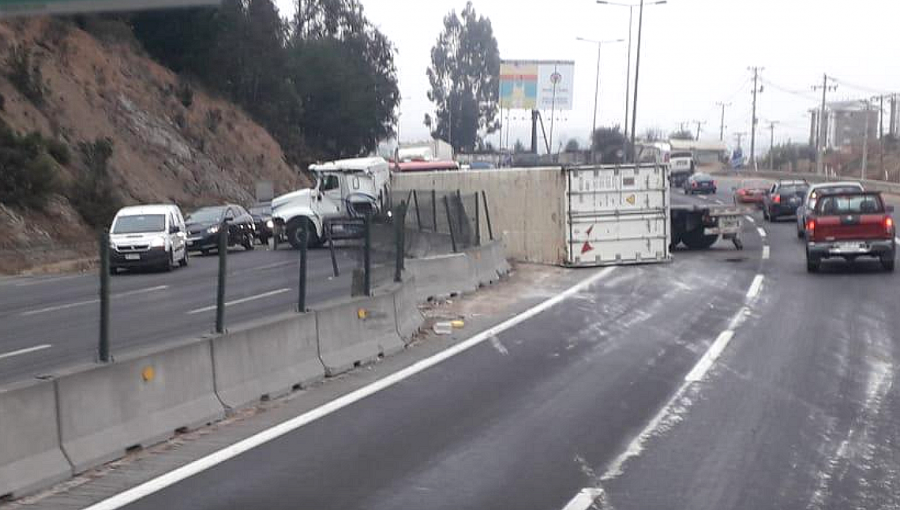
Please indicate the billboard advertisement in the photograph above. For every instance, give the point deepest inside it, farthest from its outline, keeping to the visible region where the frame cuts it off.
(537, 84)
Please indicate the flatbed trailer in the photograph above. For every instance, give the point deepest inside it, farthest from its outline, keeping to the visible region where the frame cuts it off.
(698, 227)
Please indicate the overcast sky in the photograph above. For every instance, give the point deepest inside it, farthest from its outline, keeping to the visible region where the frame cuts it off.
(694, 53)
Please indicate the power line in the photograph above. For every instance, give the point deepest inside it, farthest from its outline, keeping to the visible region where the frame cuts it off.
(861, 87)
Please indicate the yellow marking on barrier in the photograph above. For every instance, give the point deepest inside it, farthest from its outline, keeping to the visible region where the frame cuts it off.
(362, 313)
(631, 199)
(148, 374)
(458, 324)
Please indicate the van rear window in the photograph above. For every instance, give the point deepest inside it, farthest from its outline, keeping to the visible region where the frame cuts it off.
(850, 204)
(681, 155)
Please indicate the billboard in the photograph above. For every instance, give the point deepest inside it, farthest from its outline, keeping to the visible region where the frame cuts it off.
(537, 84)
(10, 8)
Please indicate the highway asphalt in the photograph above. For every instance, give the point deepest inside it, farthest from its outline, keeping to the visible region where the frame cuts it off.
(52, 322)
(725, 380)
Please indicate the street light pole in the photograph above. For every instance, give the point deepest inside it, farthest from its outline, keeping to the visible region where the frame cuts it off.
(628, 83)
(596, 87)
(637, 65)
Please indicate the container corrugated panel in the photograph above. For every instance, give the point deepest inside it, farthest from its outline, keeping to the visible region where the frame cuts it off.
(617, 215)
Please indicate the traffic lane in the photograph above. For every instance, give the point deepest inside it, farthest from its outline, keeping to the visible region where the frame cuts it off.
(798, 413)
(511, 423)
(157, 317)
(26, 294)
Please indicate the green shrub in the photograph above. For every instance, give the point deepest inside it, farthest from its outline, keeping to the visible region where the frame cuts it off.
(25, 75)
(59, 151)
(92, 196)
(27, 174)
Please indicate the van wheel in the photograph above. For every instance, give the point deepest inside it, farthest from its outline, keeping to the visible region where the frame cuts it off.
(170, 264)
(248, 242)
(294, 233)
(184, 260)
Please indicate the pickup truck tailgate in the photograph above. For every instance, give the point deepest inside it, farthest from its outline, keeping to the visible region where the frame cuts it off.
(851, 226)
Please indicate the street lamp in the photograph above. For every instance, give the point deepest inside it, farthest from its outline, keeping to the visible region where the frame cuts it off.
(637, 65)
(596, 86)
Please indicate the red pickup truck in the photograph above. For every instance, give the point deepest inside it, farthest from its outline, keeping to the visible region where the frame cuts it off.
(849, 226)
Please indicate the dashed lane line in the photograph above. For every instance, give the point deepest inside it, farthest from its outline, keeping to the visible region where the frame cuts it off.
(762, 232)
(25, 351)
(240, 301)
(91, 301)
(766, 253)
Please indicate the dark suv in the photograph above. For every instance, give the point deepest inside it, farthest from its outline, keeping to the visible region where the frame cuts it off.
(783, 199)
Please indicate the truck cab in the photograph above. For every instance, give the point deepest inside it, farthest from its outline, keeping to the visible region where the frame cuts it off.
(681, 167)
(850, 225)
(344, 190)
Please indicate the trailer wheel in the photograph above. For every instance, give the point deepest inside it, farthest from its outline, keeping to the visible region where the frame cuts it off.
(696, 240)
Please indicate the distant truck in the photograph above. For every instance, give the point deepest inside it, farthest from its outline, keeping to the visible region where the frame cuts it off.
(433, 150)
(681, 167)
(344, 190)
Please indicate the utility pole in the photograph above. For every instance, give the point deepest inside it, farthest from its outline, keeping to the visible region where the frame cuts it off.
(881, 135)
(772, 144)
(755, 121)
(894, 119)
(699, 123)
(822, 132)
(637, 75)
(722, 122)
(865, 154)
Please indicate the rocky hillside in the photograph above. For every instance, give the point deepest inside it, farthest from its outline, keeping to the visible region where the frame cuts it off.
(84, 89)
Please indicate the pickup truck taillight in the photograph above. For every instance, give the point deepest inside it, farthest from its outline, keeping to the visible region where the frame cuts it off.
(693, 184)
(811, 227)
(889, 226)
(777, 199)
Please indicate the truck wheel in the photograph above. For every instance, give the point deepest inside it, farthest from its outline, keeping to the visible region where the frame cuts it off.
(293, 234)
(696, 240)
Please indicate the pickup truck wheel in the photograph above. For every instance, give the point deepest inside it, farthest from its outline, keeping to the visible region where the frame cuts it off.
(293, 234)
(812, 264)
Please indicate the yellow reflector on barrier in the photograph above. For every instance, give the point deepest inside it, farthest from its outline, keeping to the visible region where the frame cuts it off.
(362, 313)
(148, 374)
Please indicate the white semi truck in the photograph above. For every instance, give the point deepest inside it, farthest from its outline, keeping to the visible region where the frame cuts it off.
(344, 190)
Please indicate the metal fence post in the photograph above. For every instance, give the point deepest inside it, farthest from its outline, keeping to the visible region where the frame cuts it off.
(434, 208)
(301, 288)
(450, 223)
(104, 298)
(418, 214)
(487, 215)
(367, 257)
(334, 265)
(477, 221)
(462, 233)
(223, 268)
(399, 218)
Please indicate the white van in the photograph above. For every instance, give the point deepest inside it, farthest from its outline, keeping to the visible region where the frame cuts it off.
(148, 236)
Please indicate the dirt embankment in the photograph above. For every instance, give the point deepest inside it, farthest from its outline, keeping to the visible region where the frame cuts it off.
(172, 142)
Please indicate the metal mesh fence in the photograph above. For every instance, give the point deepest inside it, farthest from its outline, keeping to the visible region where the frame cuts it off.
(453, 214)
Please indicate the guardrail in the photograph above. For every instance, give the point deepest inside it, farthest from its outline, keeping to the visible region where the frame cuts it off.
(869, 184)
(54, 429)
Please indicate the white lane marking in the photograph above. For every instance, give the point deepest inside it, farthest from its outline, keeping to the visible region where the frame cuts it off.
(762, 232)
(766, 252)
(25, 351)
(751, 219)
(636, 446)
(898, 240)
(704, 197)
(706, 362)
(719, 202)
(584, 499)
(240, 301)
(229, 452)
(755, 286)
(91, 301)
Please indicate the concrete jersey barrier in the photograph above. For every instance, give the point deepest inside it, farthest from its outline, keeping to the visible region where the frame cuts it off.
(357, 332)
(107, 409)
(488, 263)
(409, 318)
(266, 358)
(30, 456)
(442, 276)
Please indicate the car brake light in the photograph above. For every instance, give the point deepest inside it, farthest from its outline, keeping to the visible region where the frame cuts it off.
(777, 199)
(742, 192)
(811, 225)
(693, 184)
(889, 225)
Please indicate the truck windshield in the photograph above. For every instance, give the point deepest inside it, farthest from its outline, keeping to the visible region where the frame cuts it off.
(143, 224)
(850, 204)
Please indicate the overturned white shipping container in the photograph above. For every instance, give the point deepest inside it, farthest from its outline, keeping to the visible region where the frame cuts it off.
(579, 216)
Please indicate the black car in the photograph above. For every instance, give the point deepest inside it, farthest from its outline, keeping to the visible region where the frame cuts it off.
(262, 218)
(699, 183)
(203, 227)
(783, 199)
